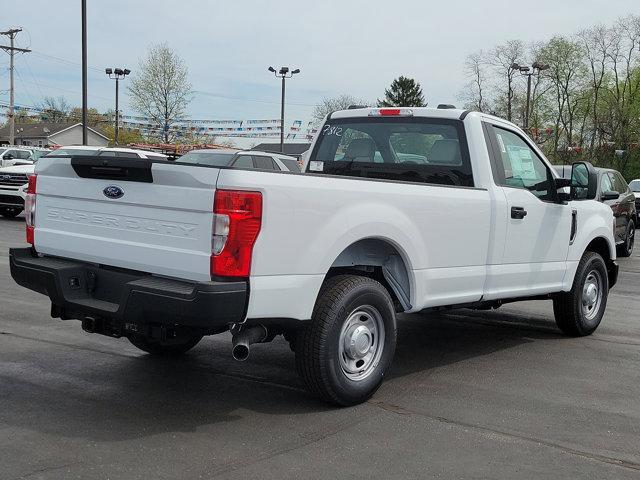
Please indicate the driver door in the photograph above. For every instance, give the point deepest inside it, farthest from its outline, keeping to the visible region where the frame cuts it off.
(538, 230)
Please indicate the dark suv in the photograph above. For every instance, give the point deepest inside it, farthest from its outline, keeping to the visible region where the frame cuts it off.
(614, 191)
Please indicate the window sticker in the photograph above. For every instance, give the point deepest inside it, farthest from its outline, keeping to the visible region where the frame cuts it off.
(501, 143)
(316, 166)
(521, 162)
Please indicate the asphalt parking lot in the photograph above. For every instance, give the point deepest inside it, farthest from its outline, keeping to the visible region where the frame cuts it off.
(497, 394)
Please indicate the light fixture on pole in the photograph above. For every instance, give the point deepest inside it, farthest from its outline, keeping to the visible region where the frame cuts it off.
(117, 74)
(283, 73)
(529, 71)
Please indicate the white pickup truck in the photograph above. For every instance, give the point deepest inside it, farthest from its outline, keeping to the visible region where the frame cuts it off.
(399, 210)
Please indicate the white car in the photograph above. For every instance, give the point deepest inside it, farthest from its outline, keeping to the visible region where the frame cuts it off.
(128, 152)
(163, 253)
(243, 159)
(11, 155)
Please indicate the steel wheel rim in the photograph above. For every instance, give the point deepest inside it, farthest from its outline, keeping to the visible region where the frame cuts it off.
(361, 342)
(592, 294)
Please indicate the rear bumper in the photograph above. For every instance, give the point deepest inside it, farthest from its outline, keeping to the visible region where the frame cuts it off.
(128, 300)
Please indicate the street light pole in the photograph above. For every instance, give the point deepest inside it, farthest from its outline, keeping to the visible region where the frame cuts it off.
(282, 119)
(529, 71)
(116, 74)
(283, 73)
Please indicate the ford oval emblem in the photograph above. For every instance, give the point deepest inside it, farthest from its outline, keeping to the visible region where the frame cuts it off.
(113, 191)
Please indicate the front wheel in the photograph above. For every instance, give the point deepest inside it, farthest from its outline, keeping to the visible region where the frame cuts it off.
(579, 311)
(626, 249)
(10, 212)
(345, 351)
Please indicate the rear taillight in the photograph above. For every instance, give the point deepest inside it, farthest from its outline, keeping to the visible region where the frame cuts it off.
(30, 208)
(236, 224)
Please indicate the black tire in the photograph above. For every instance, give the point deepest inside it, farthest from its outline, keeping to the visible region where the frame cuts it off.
(10, 212)
(344, 301)
(171, 348)
(574, 318)
(626, 249)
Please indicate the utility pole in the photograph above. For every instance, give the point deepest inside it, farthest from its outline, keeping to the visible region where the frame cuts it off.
(83, 14)
(12, 49)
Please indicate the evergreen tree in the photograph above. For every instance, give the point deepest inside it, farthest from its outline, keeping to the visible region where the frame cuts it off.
(404, 92)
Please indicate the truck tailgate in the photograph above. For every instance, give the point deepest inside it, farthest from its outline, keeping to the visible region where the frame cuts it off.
(160, 224)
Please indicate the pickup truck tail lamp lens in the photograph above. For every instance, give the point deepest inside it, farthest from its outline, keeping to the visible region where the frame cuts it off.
(30, 208)
(237, 222)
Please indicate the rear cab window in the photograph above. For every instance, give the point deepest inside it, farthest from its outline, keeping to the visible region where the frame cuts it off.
(409, 149)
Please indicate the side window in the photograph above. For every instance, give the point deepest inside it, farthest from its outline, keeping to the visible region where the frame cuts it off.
(619, 185)
(23, 154)
(244, 161)
(519, 165)
(291, 165)
(606, 185)
(264, 163)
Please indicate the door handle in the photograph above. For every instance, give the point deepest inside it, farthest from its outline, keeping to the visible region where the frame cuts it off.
(518, 213)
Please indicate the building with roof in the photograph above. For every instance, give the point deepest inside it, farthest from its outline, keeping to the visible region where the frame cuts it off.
(52, 134)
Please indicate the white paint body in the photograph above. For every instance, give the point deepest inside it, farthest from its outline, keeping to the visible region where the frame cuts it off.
(459, 244)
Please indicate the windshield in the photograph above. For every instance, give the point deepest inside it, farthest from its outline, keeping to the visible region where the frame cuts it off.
(635, 186)
(394, 148)
(2, 150)
(209, 158)
(67, 152)
(36, 154)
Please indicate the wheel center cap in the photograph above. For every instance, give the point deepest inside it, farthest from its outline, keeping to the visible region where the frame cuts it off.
(358, 341)
(591, 294)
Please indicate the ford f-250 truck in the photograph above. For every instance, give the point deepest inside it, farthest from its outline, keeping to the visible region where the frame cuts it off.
(399, 210)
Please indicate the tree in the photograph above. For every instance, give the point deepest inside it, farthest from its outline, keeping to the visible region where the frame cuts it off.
(160, 89)
(502, 57)
(404, 92)
(94, 118)
(125, 135)
(333, 104)
(55, 110)
(474, 93)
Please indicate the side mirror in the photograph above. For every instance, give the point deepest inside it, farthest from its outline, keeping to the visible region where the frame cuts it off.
(584, 181)
(609, 195)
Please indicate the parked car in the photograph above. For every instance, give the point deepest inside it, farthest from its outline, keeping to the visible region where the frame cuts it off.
(128, 152)
(164, 253)
(634, 185)
(11, 155)
(614, 191)
(245, 159)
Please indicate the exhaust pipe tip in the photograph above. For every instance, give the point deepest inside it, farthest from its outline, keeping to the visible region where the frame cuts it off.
(240, 352)
(244, 338)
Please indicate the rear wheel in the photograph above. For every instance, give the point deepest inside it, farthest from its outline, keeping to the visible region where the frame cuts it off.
(167, 348)
(10, 212)
(580, 311)
(626, 249)
(343, 354)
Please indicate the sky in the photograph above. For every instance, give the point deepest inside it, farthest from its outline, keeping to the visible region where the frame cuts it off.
(342, 47)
